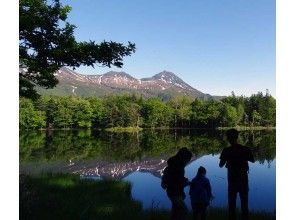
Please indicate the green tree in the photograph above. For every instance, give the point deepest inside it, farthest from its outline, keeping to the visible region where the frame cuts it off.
(134, 111)
(29, 117)
(98, 112)
(199, 115)
(268, 110)
(182, 110)
(238, 103)
(47, 43)
(51, 110)
(134, 117)
(256, 118)
(122, 111)
(82, 112)
(231, 116)
(240, 113)
(156, 113)
(59, 113)
(206, 113)
(63, 117)
(261, 109)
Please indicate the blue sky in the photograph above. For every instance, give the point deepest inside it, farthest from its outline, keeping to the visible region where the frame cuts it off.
(217, 46)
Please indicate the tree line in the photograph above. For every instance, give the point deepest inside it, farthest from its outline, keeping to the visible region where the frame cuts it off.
(134, 111)
(89, 144)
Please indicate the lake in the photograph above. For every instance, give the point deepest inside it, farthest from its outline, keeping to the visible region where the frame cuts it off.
(141, 157)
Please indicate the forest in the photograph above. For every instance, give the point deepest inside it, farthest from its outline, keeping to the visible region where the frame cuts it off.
(72, 112)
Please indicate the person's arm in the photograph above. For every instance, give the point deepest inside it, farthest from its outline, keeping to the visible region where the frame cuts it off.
(222, 163)
(191, 188)
(186, 182)
(165, 179)
(223, 160)
(250, 156)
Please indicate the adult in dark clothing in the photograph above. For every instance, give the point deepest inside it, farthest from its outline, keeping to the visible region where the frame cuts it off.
(236, 159)
(174, 182)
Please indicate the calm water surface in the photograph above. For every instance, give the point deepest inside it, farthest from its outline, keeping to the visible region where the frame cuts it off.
(261, 177)
(140, 158)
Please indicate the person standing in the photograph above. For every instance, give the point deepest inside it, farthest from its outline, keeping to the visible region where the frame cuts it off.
(174, 181)
(235, 158)
(200, 194)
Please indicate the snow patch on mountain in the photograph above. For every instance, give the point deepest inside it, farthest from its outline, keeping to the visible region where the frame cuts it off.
(121, 81)
(73, 89)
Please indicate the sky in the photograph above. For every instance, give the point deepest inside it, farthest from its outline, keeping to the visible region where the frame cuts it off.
(216, 46)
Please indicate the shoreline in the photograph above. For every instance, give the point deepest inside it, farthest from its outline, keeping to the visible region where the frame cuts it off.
(137, 129)
(114, 202)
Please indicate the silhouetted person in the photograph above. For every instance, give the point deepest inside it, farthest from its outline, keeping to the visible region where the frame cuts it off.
(200, 193)
(236, 159)
(174, 181)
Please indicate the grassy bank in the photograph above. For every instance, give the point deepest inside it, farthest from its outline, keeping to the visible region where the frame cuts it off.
(239, 128)
(124, 129)
(63, 196)
(248, 128)
(212, 214)
(137, 129)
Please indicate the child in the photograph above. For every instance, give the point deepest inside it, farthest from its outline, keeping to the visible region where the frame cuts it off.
(200, 193)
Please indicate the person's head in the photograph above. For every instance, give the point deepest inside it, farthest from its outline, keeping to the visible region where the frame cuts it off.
(232, 136)
(201, 171)
(184, 155)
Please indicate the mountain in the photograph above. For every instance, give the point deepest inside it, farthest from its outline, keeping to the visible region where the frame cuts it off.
(116, 170)
(164, 85)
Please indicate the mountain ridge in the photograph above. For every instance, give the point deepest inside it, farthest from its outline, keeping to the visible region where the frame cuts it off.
(164, 85)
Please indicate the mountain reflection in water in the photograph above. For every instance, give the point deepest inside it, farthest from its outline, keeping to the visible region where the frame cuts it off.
(141, 157)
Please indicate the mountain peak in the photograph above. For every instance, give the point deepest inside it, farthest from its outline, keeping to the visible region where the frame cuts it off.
(165, 76)
(170, 78)
(118, 74)
(163, 84)
(164, 73)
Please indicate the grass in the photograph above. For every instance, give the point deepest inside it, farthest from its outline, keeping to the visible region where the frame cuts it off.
(247, 128)
(63, 196)
(212, 214)
(66, 196)
(137, 129)
(124, 129)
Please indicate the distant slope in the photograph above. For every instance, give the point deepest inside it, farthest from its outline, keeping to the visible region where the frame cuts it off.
(164, 85)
